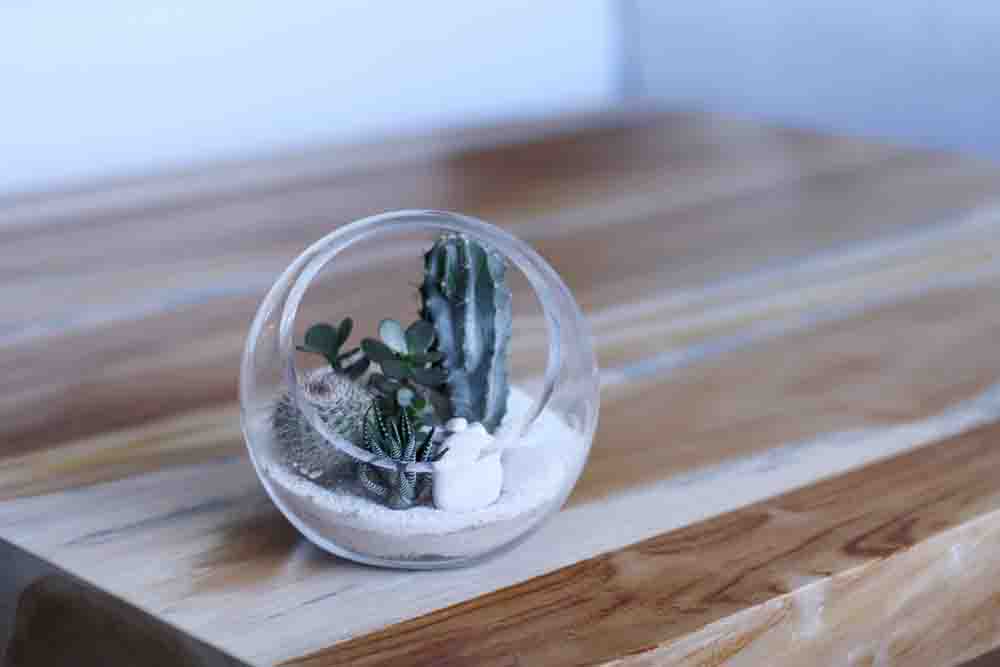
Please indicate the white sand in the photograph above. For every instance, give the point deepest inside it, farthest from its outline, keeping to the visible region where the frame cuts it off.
(537, 469)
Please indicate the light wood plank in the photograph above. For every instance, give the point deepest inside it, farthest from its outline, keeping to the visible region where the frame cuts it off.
(772, 562)
(227, 543)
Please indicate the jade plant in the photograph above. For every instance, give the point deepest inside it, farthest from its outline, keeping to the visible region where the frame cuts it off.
(326, 340)
(411, 374)
(395, 438)
(394, 390)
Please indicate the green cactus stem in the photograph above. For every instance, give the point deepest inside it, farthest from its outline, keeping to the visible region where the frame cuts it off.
(465, 297)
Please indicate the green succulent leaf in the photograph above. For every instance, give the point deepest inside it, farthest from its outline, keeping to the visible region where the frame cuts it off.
(425, 450)
(388, 405)
(353, 352)
(377, 351)
(372, 434)
(344, 330)
(383, 384)
(429, 376)
(391, 333)
(431, 357)
(419, 337)
(407, 438)
(324, 339)
(395, 369)
(358, 368)
(441, 404)
(399, 437)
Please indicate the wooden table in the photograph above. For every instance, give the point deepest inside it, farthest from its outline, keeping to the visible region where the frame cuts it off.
(798, 461)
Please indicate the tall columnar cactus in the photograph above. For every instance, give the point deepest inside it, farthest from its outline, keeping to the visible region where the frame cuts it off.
(466, 298)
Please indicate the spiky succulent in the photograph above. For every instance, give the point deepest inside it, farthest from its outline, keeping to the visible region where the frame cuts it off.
(394, 438)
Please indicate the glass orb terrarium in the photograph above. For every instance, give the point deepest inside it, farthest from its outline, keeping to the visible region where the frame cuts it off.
(418, 390)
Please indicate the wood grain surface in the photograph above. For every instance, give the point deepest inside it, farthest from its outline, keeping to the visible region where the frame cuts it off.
(607, 606)
(796, 459)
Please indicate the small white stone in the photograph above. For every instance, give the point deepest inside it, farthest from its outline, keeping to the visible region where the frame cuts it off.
(456, 424)
(464, 447)
(464, 480)
(468, 486)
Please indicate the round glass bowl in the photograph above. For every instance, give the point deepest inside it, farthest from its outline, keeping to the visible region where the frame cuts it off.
(329, 480)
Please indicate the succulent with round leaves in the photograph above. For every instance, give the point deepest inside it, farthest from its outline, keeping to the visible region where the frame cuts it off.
(327, 340)
(406, 355)
(395, 438)
(410, 376)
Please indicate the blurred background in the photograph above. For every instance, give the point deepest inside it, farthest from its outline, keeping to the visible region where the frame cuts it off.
(109, 88)
(163, 163)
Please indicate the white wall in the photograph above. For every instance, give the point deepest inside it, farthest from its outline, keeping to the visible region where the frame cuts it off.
(918, 71)
(89, 89)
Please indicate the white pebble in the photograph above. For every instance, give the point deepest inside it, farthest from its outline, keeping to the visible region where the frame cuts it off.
(456, 424)
(468, 486)
(465, 446)
(462, 480)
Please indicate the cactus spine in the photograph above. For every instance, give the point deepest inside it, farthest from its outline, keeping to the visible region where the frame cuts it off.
(466, 298)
